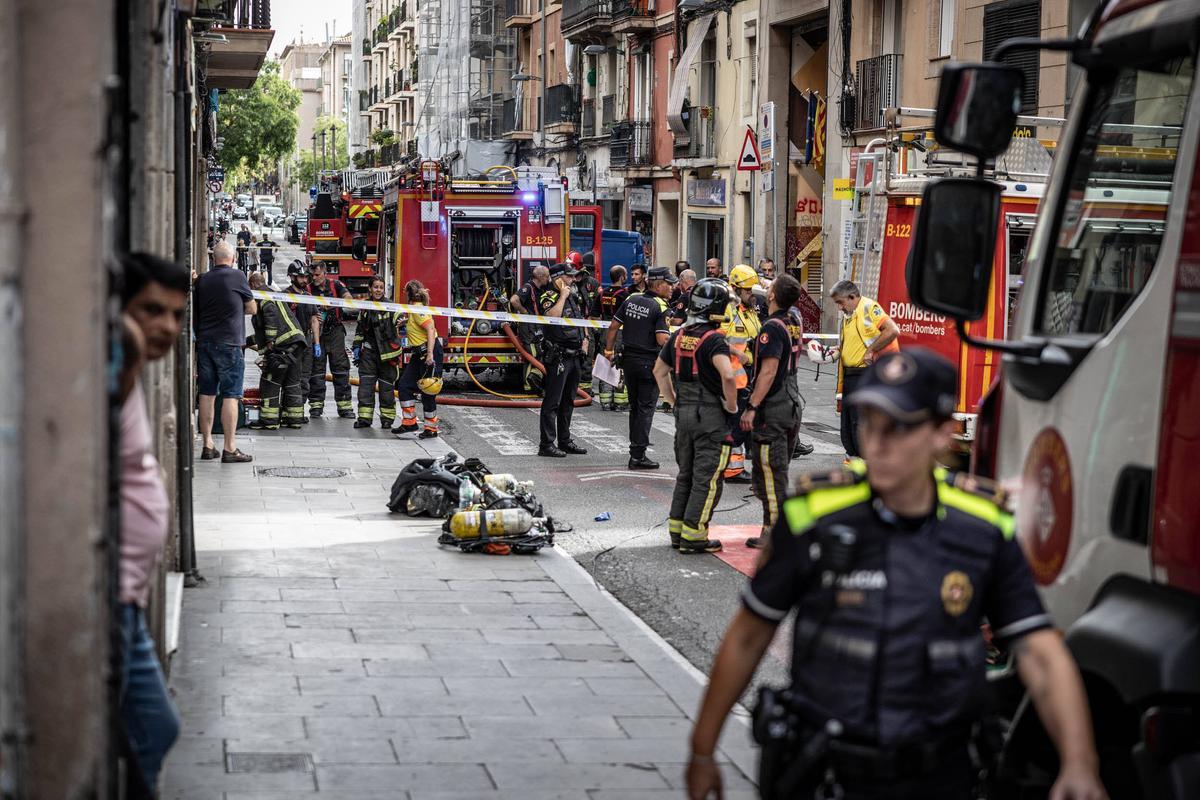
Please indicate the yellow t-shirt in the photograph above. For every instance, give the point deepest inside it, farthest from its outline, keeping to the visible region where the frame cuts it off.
(415, 331)
(860, 330)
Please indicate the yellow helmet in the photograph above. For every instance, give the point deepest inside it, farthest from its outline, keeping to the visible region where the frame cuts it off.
(743, 276)
(431, 385)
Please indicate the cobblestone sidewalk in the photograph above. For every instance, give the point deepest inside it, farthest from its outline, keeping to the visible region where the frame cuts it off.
(337, 650)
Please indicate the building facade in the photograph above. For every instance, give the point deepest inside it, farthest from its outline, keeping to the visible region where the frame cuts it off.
(300, 66)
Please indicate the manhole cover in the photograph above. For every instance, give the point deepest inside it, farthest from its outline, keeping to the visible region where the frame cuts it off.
(268, 762)
(302, 472)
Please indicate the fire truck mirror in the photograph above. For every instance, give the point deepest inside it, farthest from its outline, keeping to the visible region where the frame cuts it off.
(977, 108)
(359, 248)
(953, 246)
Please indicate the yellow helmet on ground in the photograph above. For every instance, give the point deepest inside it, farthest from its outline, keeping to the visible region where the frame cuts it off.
(743, 276)
(431, 385)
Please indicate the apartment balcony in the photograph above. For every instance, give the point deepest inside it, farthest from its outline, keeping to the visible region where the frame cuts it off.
(878, 81)
(364, 100)
(632, 16)
(516, 129)
(586, 20)
(629, 145)
(410, 148)
(699, 148)
(366, 47)
(562, 109)
(246, 26)
(587, 118)
(520, 13)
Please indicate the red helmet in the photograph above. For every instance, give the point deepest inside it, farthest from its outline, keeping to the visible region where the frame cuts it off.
(575, 259)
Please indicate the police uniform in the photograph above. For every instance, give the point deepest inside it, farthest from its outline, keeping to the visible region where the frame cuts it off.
(279, 339)
(888, 663)
(777, 417)
(378, 346)
(611, 298)
(266, 256)
(859, 331)
(333, 353)
(702, 439)
(589, 301)
(642, 318)
(563, 349)
(416, 347)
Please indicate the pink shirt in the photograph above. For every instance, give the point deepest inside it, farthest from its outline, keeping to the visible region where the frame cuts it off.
(144, 505)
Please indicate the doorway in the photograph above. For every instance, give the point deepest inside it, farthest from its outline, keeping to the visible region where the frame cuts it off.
(706, 239)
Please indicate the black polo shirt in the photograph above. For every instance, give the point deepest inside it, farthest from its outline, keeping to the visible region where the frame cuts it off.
(714, 345)
(642, 317)
(775, 341)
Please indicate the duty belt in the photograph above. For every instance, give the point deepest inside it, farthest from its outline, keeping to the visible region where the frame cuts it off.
(855, 763)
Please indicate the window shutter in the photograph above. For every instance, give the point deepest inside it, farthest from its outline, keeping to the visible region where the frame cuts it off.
(1009, 19)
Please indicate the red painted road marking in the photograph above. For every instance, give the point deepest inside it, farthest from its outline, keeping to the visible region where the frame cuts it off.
(734, 551)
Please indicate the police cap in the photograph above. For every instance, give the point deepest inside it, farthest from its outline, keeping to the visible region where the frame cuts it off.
(563, 268)
(661, 274)
(913, 385)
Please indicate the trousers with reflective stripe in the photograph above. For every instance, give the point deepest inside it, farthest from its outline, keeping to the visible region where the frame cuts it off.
(376, 375)
(776, 426)
(701, 452)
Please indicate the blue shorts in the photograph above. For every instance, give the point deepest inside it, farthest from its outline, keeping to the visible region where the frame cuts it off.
(219, 369)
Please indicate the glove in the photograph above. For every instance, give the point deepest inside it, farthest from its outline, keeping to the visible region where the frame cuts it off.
(317, 350)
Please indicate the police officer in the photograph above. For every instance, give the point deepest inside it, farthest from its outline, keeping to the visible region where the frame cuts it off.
(695, 375)
(642, 318)
(612, 397)
(564, 347)
(741, 327)
(266, 255)
(524, 301)
(377, 348)
(772, 415)
(279, 339)
(587, 290)
(244, 240)
(892, 565)
(329, 345)
(304, 312)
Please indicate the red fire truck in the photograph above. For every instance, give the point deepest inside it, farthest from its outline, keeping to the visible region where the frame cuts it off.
(473, 242)
(1093, 419)
(343, 226)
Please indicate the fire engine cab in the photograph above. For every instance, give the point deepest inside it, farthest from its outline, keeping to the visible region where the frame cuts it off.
(473, 242)
(343, 226)
(1094, 419)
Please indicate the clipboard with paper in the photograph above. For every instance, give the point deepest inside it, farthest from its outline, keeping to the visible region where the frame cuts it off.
(605, 370)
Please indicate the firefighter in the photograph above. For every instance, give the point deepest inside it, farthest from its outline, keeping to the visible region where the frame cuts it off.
(610, 300)
(266, 256)
(741, 326)
(377, 348)
(422, 368)
(694, 372)
(588, 291)
(772, 415)
(329, 345)
(866, 333)
(279, 339)
(642, 319)
(677, 312)
(298, 284)
(892, 566)
(565, 348)
(637, 279)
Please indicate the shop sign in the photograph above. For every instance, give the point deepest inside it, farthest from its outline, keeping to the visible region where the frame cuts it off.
(706, 192)
(641, 199)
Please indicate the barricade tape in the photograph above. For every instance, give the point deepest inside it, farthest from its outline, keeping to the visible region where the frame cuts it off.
(439, 311)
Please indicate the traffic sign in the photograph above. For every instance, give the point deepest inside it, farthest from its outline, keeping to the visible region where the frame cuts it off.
(216, 173)
(215, 186)
(749, 161)
(766, 132)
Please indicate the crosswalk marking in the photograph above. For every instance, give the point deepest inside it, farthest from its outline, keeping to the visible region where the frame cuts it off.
(507, 440)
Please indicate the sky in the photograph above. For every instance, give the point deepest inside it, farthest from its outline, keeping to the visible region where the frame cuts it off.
(291, 17)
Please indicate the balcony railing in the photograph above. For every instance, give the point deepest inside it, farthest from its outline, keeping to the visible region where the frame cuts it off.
(633, 10)
(562, 104)
(701, 138)
(878, 81)
(410, 149)
(366, 47)
(629, 144)
(364, 99)
(244, 13)
(520, 12)
(588, 118)
(508, 114)
(608, 111)
(582, 16)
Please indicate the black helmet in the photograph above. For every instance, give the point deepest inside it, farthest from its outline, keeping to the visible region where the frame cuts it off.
(708, 300)
(297, 267)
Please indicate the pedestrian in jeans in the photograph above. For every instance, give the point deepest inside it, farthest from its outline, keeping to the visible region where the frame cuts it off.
(222, 301)
(154, 295)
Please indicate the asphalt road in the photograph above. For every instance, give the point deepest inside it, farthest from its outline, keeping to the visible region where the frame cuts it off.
(688, 600)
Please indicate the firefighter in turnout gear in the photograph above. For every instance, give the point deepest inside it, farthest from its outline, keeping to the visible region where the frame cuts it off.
(892, 566)
(329, 345)
(279, 339)
(423, 363)
(377, 349)
(642, 321)
(772, 415)
(611, 299)
(298, 284)
(695, 375)
(741, 326)
(587, 289)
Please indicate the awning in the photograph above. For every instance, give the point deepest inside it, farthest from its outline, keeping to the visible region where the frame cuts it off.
(679, 84)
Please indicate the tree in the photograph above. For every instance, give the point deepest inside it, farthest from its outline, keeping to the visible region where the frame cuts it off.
(258, 124)
(337, 152)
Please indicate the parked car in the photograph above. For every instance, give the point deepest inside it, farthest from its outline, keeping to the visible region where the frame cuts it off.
(241, 213)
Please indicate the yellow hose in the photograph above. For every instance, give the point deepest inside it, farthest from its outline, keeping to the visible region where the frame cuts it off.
(467, 361)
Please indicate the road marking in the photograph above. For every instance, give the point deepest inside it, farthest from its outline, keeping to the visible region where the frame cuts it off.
(824, 448)
(664, 424)
(602, 438)
(506, 440)
(615, 473)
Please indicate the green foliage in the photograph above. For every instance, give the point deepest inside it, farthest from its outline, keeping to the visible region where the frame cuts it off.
(383, 136)
(258, 124)
(337, 152)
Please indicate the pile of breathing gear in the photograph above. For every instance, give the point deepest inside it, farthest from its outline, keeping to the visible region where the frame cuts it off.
(484, 512)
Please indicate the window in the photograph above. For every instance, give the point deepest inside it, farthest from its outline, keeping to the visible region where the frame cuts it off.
(946, 29)
(750, 69)
(1006, 20)
(1114, 210)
